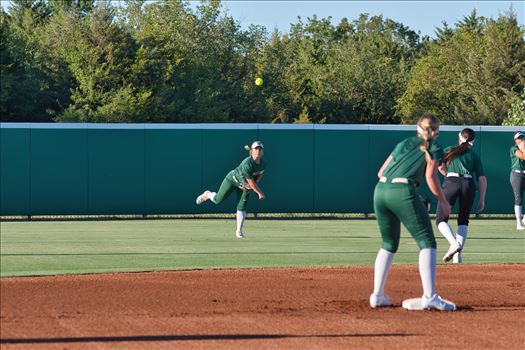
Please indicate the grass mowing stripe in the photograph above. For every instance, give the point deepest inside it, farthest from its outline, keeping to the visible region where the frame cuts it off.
(61, 247)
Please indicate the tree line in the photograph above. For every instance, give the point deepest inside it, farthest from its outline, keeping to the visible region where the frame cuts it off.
(168, 62)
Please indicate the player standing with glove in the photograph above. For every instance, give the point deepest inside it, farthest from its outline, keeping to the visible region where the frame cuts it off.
(396, 200)
(460, 167)
(517, 176)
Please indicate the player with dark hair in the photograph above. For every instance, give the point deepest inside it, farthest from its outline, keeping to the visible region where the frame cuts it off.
(241, 180)
(517, 176)
(396, 201)
(460, 167)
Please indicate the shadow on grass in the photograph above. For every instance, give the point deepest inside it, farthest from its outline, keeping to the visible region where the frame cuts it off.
(203, 337)
(192, 253)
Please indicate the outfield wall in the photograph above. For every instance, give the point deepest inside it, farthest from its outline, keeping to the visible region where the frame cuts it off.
(111, 169)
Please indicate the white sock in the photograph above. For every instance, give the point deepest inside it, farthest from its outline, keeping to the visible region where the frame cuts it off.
(517, 212)
(241, 215)
(447, 232)
(462, 235)
(211, 196)
(427, 271)
(382, 267)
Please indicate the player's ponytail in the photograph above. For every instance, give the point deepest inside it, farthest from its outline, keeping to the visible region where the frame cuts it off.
(427, 127)
(466, 140)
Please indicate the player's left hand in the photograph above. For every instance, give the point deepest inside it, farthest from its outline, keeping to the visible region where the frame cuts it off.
(481, 206)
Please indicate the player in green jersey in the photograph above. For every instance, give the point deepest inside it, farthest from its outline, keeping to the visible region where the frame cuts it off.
(396, 201)
(517, 176)
(460, 167)
(241, 180)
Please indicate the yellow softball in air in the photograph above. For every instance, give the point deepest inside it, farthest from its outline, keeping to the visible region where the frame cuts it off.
(259, 81)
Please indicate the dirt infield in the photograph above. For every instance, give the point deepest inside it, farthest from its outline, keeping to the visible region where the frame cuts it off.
(321, 308)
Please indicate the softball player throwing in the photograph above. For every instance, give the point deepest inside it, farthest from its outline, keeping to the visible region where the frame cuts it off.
(241, 180)
(460, 166)
(517, 176)
(396, 200)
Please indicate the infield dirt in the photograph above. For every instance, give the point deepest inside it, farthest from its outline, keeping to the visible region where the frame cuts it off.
(299, 308)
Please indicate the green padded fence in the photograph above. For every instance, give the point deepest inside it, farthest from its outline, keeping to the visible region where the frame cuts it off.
(111, 169)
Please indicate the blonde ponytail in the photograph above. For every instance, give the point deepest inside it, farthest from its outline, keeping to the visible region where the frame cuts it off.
(426, 126)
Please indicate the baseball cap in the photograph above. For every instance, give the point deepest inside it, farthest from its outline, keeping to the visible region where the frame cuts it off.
(519, 135)
(256, 144)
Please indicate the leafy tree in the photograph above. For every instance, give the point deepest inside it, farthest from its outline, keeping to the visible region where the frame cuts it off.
(28, 88)
(99, 53)
(273, 64)
(444, 33)
(471, 76)
(198, 66)
(10, 55)
(84, 7)
(173, 61)
(516, 114)
(370, 70)
(37, 9)
(330, 74)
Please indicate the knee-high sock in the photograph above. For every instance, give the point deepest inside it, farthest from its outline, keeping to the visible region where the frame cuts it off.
(382, 267)
(517, 212)
(447, 232)
(462, 235)
(427, 271)
(211, 196)
(241, 215)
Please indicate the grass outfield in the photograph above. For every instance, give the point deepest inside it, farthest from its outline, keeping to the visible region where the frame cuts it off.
(71, 247)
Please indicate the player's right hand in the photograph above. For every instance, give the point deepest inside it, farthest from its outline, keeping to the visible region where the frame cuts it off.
(261, 196)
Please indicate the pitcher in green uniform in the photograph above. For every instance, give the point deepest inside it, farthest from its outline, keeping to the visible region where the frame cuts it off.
(241, 180)
(517, 176)
(460, 167)
(396, 201)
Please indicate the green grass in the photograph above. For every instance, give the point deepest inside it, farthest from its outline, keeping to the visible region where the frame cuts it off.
(70, 247)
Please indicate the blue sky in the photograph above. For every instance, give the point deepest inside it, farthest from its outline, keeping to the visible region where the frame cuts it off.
(423, 16)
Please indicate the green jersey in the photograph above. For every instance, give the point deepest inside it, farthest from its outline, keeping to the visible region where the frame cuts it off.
(248, 169)
(467, 163)
(408, 160)
(515, 162)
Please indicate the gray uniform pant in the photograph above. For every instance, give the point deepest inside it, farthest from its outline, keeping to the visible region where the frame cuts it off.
(517, 181)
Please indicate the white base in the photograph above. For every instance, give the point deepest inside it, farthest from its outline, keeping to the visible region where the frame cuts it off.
(415, 304)
(412, 304)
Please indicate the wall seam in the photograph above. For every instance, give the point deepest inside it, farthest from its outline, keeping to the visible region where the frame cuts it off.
(88, 202)
(144, 172)
(30, 170)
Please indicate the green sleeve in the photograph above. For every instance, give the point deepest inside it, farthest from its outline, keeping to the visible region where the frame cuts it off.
(247, 170)
(397, 149)
(437, 152)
